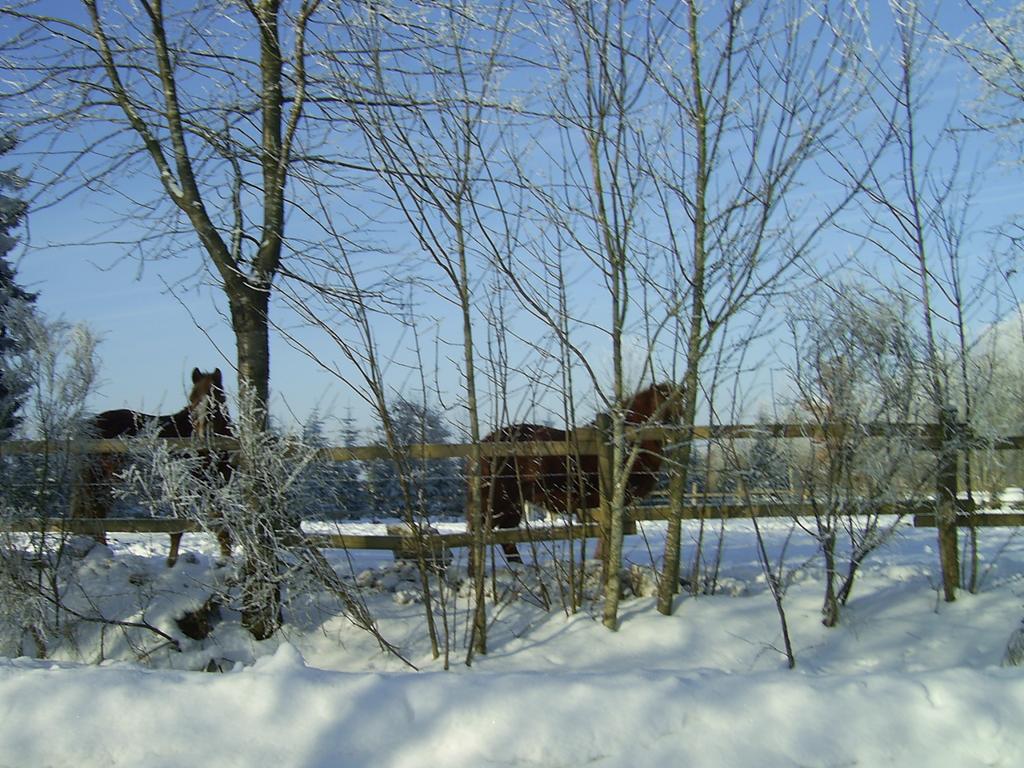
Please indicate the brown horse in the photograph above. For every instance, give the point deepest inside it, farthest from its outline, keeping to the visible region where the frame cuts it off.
(567, 483)
(205, 415)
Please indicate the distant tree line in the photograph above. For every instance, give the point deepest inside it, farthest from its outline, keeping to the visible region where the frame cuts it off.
(345, 490)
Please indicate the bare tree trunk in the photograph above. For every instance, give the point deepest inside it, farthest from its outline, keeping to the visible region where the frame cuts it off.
(777, 588)
(920, 210)
(830, 607)
(733, 204)
(219, 155)
(669, 585)
(249, 310)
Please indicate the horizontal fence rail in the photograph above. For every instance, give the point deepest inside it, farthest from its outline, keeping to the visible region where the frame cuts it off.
(398, 542)
(583, 441)
(922, 514)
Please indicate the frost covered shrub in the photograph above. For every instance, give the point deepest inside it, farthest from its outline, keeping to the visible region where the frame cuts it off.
(856, 368)
(55, 370)
(258, 504)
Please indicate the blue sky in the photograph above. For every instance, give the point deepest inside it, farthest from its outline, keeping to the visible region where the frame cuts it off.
(158, 320)
(155, 324)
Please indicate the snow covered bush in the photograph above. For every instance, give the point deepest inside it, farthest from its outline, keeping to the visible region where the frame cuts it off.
(253, 495)
(857, 370)
(54, 369)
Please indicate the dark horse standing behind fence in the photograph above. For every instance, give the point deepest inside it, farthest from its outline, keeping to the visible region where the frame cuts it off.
(206, 415)
(567, 483)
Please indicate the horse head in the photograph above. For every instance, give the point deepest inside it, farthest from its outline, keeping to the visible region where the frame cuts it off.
(207, 404)
(662, 403)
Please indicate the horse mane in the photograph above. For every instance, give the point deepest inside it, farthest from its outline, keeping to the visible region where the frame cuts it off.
(657, 403)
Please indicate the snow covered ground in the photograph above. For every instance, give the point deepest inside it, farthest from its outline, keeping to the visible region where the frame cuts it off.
(906, 679)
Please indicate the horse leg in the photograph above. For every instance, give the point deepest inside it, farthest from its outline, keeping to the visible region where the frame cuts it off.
(510, 550)
(507, 517)
(628, 529)
(219, 524)
(470, 560)
(512, 553)
(509, 521)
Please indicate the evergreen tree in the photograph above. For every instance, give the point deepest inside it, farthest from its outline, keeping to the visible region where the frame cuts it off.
(437, 485)
(350, 487)
(767, 468)
(13, 298)
(332, 490)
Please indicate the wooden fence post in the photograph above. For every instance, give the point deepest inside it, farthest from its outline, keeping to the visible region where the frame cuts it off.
(946, 501)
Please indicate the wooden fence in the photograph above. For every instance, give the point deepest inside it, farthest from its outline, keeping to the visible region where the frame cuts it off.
(945, 510)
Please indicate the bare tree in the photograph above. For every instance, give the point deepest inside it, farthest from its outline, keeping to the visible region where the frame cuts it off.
(206, 103)
(993, 47)
(209, 106)
(914, 218)
(333, 299)
(588, 218)
(676, 187)
(436, 68)
(856, 372)
(756, 97)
